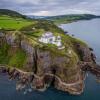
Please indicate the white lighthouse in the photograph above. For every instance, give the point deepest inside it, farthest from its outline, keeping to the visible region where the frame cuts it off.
(49, 38)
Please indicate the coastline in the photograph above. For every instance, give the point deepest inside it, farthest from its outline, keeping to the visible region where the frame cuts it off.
(69, 86)
(75, 21)
(37, 81)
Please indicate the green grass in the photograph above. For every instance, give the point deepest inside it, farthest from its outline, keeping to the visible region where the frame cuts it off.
(7, 22)
(31, 36)
(4, 58)
(36, 33)
(18, 59)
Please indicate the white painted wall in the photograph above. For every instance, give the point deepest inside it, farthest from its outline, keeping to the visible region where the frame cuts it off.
(46, 38)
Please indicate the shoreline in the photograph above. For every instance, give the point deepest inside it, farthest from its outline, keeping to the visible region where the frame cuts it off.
(21, 86)
(76, 21)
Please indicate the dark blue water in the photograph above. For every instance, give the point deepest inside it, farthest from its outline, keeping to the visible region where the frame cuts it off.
(92, 89)
(88, 31)
(8, 92)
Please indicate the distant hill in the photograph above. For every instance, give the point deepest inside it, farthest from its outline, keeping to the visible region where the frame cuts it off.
(11, 13)
(71, 18)
(66, 18)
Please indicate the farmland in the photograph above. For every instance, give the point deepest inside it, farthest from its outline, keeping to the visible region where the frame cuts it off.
(7, 22)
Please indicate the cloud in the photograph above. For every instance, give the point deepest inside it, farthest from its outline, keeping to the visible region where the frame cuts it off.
(41, 13)
(52, 7)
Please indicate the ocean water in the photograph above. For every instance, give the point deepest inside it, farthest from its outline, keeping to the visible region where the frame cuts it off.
(87, 31)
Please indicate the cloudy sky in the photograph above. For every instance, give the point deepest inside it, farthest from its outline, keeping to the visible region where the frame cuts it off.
(52, 7)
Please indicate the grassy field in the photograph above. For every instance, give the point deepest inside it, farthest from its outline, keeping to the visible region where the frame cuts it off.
(7, 22)
(16, 60)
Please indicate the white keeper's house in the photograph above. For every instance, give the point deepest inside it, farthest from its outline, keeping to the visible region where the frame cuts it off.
(49, 38)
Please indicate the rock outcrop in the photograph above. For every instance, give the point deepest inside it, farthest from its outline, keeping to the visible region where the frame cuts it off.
(46, 68)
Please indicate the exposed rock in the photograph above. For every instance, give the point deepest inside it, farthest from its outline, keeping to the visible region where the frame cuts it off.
(2, 38)
(46, 68)
(27, 47)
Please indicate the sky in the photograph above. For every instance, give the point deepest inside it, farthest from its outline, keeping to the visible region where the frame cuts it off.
(52, 7)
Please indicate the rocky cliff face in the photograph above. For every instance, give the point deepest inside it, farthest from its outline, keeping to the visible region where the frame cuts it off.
(47, 69)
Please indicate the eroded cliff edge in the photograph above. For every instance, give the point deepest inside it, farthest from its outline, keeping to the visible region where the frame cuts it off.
(43, 65)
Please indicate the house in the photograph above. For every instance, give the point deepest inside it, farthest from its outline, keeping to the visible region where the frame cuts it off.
(58, 41)
(33, 28)
(49, 38)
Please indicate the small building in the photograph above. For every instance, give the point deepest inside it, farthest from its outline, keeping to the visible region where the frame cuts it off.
(33, 28)
(69, 51)
(0, 28)
(49, 38)
(58, 41)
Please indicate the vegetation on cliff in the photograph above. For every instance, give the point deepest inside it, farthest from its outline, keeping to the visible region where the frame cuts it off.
(30, 31)
(4, 53)
(12, 57)
(20, 48)
(18, 59)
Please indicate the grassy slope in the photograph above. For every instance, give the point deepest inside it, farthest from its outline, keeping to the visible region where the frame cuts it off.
(40, 28)
(13, 23)
(7, 22)
(4, 54)
(18, 59)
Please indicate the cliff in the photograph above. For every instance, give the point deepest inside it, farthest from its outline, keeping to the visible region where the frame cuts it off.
(43, 65)
(39, 65)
